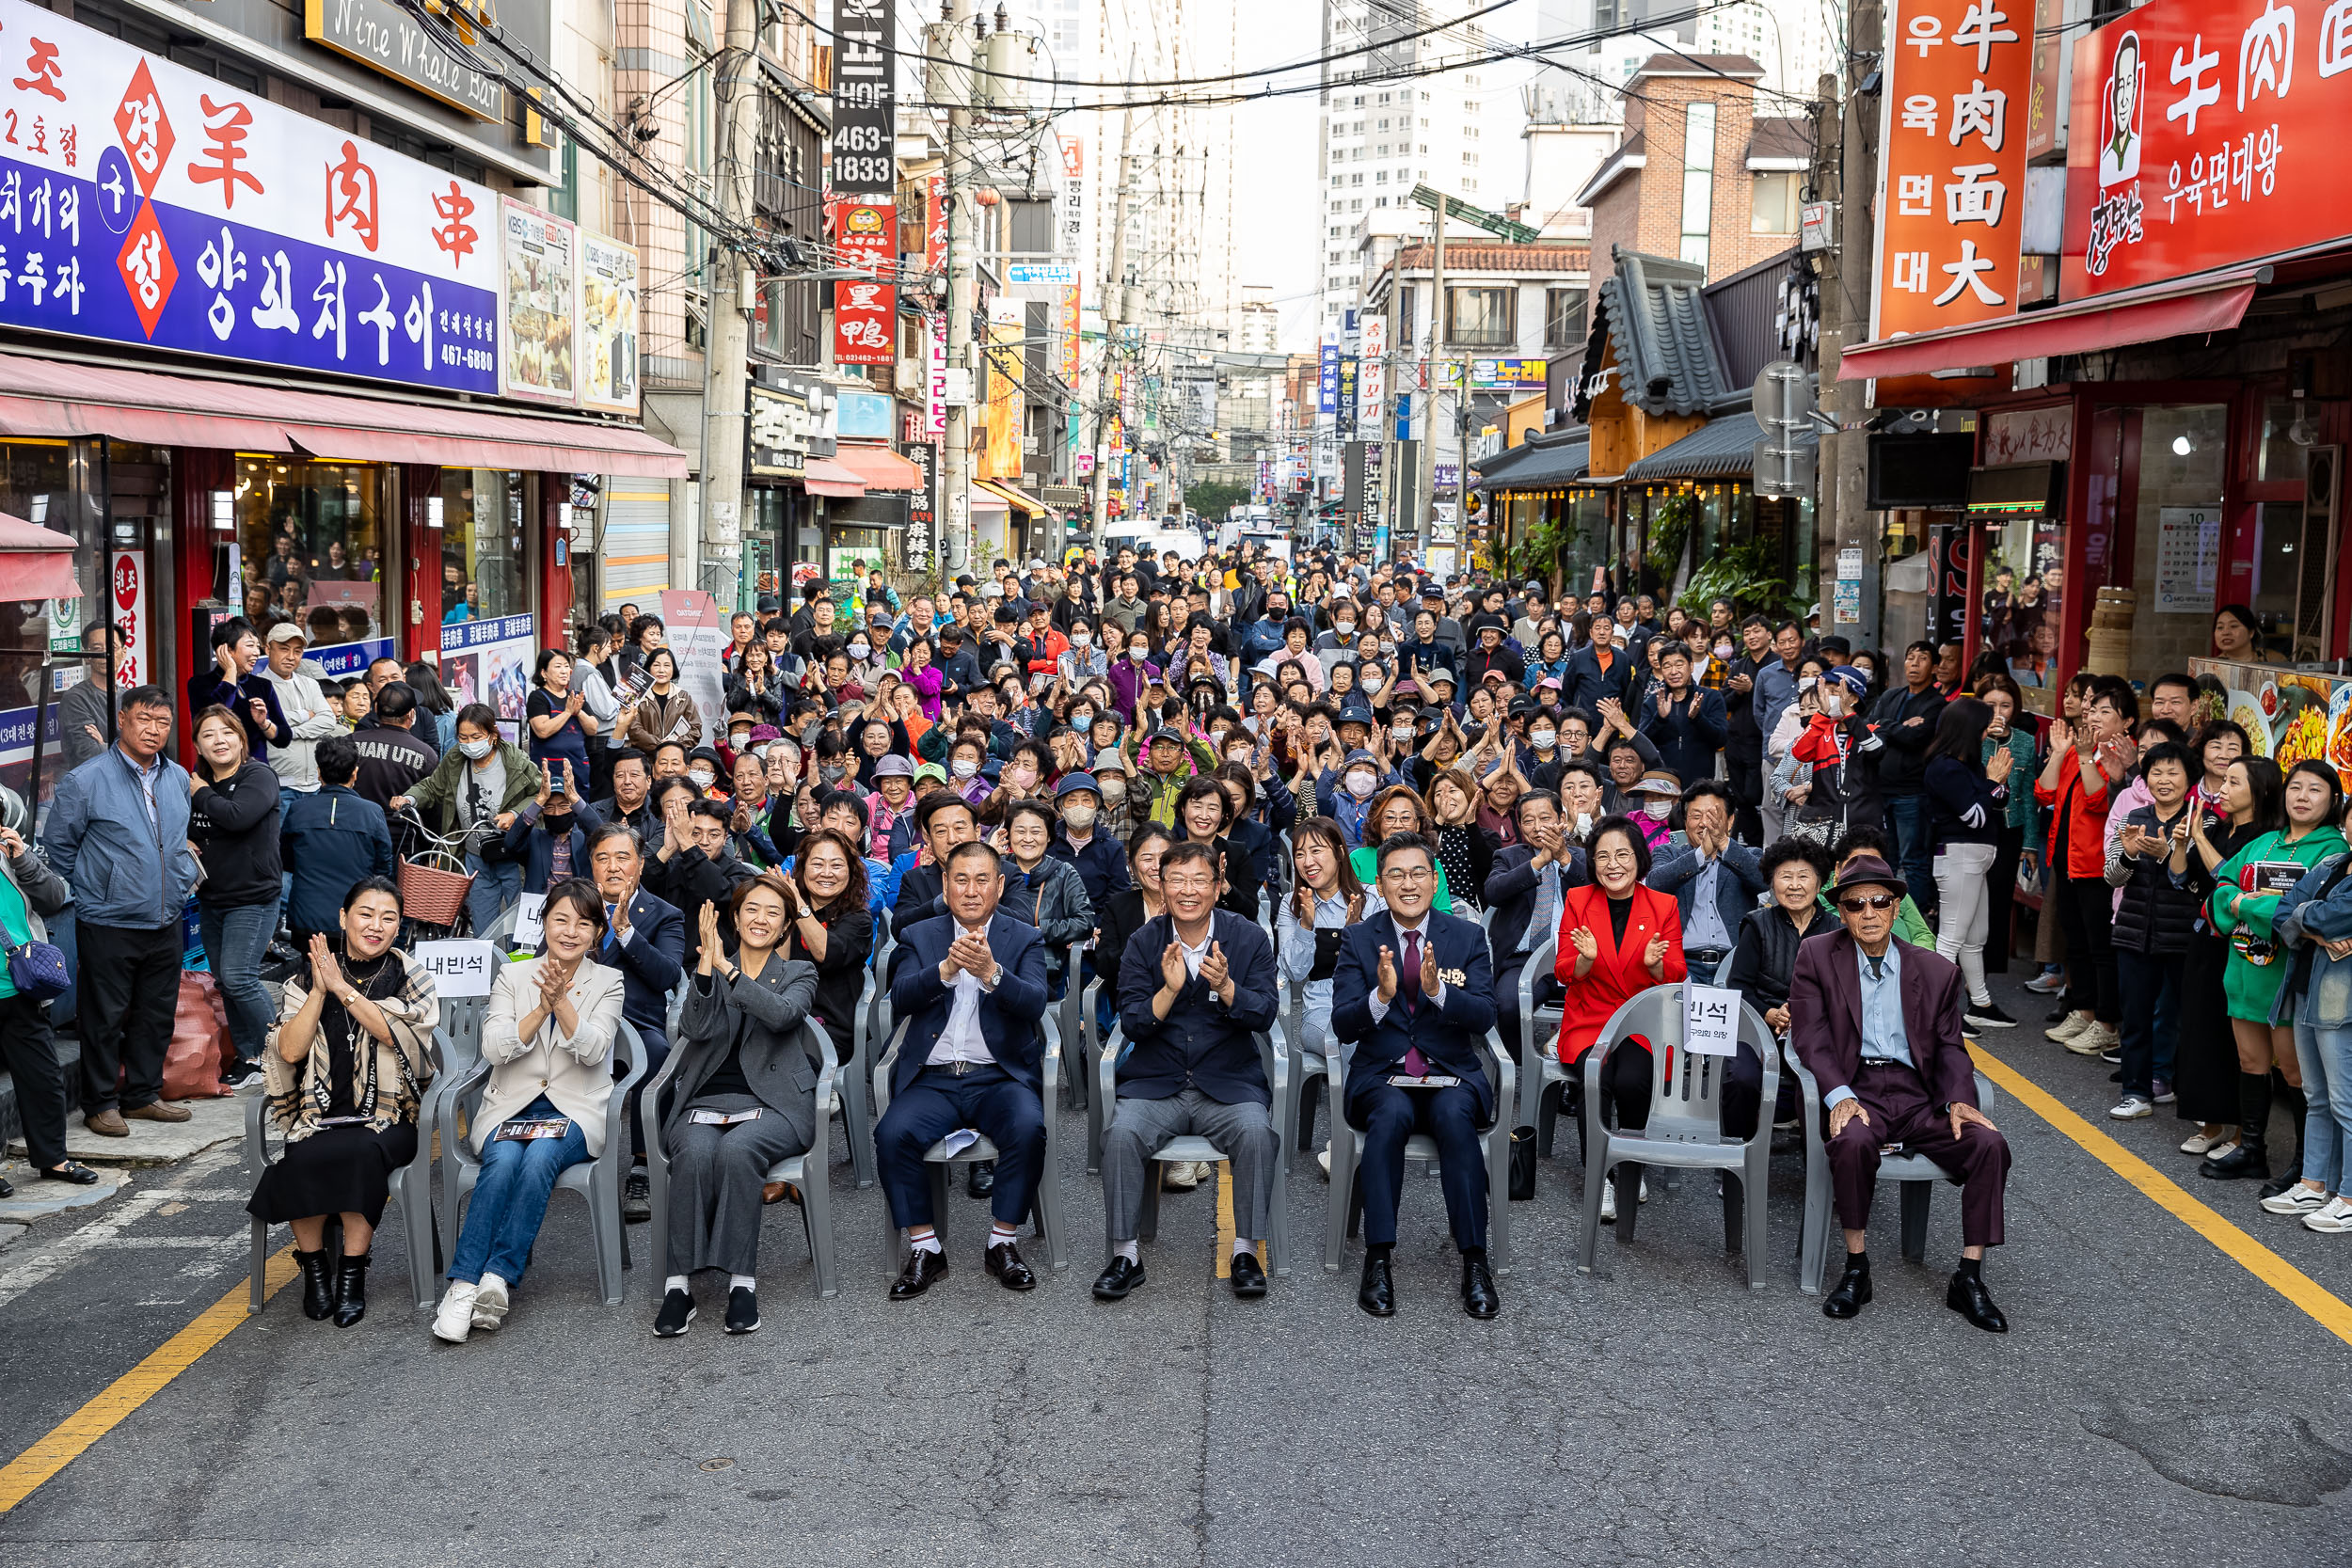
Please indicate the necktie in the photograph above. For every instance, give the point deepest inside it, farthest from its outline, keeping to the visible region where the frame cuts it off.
(1410, 985)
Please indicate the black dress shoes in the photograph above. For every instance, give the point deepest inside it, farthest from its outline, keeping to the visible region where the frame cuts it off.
(2248, 1161)
(351, 1289)
(73, 1171)
(1248, 1277)
(980, 1179)
(1005, 1265)
(1971, 1299)
(1478, 1290)
(1117, 1279)
(318, 1285)
(1377, 1293)
(923, 1266)
(1854, 1290)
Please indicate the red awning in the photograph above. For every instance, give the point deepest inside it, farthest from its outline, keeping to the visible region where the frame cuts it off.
(36, 562)
(825, 477)
(877, 468)
(2214, 303)
(56, 397)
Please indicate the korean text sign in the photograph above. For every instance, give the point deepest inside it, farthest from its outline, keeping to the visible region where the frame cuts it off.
(143, 203)
(2203, 135)
(1952, 137)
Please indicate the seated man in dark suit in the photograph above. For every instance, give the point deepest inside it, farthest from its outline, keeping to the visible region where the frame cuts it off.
(942, 822)
(1524, 890)
(1877, 1023)
(645, 940)
(972, 987)
(1196, 985)
(1414, 994)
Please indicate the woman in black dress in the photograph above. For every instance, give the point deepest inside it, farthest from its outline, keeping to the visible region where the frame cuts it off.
(344, 1072)
(1126, 915)
(832, 927)
(2204, 1059)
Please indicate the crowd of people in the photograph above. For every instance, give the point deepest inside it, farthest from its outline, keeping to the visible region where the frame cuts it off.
(1215, 787)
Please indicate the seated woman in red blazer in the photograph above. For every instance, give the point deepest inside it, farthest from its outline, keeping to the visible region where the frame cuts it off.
(1617, 939)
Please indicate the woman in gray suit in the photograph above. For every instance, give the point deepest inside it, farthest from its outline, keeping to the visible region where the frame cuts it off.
(742, 1098)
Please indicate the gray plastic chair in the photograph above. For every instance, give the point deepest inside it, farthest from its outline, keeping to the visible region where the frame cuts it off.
(808, 1171)
(1066, 1018)
(941, 1164)
(1306, 1067)
(1189, 1146)
(1917, 1174)
(1090, 1052)
(597, 1181)
(1540, 1069)
(1685, 1126)
(461, 1024)
(412, 1189)
(855, 1097)
(1346, 1203)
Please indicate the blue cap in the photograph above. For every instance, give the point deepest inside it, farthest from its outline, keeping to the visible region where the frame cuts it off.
(1854, 680)
(1356, 713)
(1074, 782)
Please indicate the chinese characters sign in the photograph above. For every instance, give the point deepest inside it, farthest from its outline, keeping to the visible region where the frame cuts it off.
(864, 101)
(1952, 200)
(142, 203)
(2200, 137)
(866, 313)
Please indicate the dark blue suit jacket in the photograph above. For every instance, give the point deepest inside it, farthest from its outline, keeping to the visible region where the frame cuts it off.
(1008, 1015)
(1201, 1043)
(1448, 1035)
(1586, 685)
(651, 962)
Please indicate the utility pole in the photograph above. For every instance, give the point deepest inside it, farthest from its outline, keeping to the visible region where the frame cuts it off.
(1114, 321)
(1846, 296)
(727, 353)
(1437, 384)
(952, 43)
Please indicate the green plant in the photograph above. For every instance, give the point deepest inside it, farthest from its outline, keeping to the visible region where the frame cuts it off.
(1670, 531)
(1539, 555)
(1746, 575)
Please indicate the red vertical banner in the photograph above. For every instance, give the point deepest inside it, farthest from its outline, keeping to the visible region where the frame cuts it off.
(866, 314)
(935, 224)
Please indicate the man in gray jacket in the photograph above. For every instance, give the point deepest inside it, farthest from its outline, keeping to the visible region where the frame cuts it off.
(119, 833)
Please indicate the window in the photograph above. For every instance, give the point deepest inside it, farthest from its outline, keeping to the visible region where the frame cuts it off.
(1698, 180)
(1774, 208)
(482, 561)
(1380, 201)
(1357, 205)
(1384, 124)
(1563, 318)
(1481, 317)
(313, 536)
(1354, 179)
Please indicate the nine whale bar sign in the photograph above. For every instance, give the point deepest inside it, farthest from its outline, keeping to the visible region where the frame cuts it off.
(381, 36)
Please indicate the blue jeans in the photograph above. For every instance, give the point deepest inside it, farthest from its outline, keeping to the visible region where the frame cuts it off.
(1907, 815)
(510, 1199)
(2150, 985)
(495, 886)
(234, 939)
(2326, 1056)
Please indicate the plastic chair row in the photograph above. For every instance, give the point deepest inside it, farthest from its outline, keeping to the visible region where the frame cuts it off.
(1190, 1147)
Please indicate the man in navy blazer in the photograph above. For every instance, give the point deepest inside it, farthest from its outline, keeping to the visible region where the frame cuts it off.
(1414, 996)
(970, 986)
(645, 940)
(1196, 986)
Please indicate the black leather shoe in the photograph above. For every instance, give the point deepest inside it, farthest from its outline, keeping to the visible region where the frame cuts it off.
(73, 1171)
(1377, 1293)
(2248, 1161)
(1248, 1278)
(1003, 1262)
(8, 1188)
(1116, 1278)
(351, 1289)
(742, 1311)
(636, 1197)
(924, 1267)
(1478, 1290)
(677, 1311)
(2271, 1188)
(980, 1179)
(1971, 1299)
(1854, 1291)
(318, 1287)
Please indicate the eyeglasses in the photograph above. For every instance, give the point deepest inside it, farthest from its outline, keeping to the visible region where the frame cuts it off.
(1408, 874)
(1879, 901)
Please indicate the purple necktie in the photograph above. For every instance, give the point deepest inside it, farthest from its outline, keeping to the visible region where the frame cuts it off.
(1415, 1064)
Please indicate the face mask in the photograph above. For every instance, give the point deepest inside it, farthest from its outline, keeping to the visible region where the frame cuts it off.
(475, 749)
(1808, 683)
(859, 650)
(1402, 735)
(1544, 739)
(1723, 650)
(1658, 811)
(701, 777)
(1359, 783)
(1138, 655)
(1080, 720)
(1023, 777)
(1080, 639)
(1346, 629)
(1217, 735)
(1114, 789)
(1080, 818)
(762, 750)
(1583, 823)
(832, 775)
(963, 768)
(739, 741)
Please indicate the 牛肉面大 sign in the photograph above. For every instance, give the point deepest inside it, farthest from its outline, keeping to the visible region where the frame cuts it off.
(2201, 136)
(143, 203)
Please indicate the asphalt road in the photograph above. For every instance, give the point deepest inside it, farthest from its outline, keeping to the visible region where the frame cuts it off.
(2155, 1403)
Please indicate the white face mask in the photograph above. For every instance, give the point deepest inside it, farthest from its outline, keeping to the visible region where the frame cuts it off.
(1080, 639)
(1544, 739)
(1138, 655)
(475, 749)
(1114, 789)
(701, 777)
(1359, 783)
(860, 649)
(963, 768)
(1080, 818)
(1657, 811)
(1345, 628)
(1402, 735)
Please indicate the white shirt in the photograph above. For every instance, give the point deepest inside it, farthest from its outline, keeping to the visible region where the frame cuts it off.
(1193, 956)
(1436, 998)
(303, 705)
(961, 1041)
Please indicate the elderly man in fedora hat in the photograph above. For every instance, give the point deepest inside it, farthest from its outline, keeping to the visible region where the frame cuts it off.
(1878, 1023)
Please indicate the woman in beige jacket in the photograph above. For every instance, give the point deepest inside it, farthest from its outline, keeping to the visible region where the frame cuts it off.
(547, 1035)
(663, 711)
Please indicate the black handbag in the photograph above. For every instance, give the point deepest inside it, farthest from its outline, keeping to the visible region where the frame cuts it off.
(1522, 1165)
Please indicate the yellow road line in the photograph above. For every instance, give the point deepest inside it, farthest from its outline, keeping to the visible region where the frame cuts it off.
(1224, 1219)
(2324, 1309)
(66, 1442)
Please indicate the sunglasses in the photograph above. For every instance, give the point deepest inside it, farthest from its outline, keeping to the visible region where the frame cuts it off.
(1880, 901)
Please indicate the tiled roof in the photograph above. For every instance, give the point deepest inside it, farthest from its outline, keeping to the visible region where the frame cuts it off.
(1651, 312)
(1477, 256)
(1716, 449)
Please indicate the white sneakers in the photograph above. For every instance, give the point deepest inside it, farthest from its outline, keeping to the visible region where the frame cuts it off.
(454, 1320)
(2093, 1039)
(2304, 1197)
(1609, 1198)
(489, 1302)
(2131, 1108)
(2068, 1027)
(2333, 1220)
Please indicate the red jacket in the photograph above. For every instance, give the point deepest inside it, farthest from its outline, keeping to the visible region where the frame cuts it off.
(2087, 828)
(1617, 974)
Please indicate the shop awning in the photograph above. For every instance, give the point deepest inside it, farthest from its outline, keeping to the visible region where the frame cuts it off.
(1717, 449)
(825, 477)
(2185, 307)
(58, 398)
(36, 562)
(1542, 468)
(1013, 497)
(878, 467)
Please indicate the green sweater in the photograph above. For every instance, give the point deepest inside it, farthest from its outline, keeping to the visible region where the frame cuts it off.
(2253, 987)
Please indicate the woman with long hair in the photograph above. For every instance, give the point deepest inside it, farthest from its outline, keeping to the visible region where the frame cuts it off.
(433, 699)
(1464, 849)
(663, 711)
(1126, 913)
(2008, 731)
(2205, 1061)
(1326, 899)
(832, 927)
(1968, 803)
(233, 822)
(2314, 924)
(755, 690)
(345, 1073)
(558, 716)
